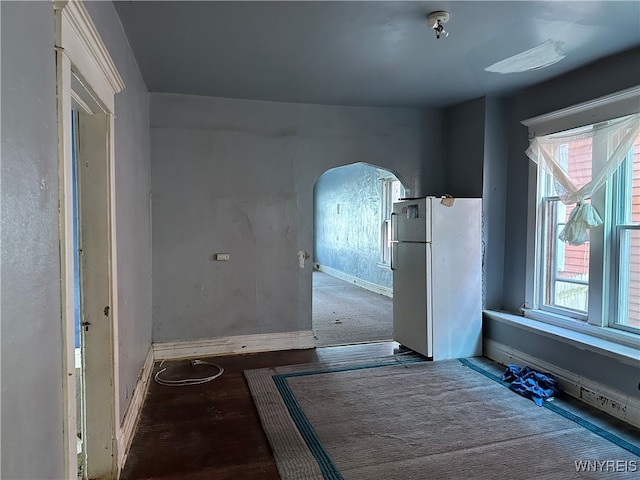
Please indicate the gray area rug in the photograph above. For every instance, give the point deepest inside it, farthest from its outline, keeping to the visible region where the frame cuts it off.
(344, 313)
(381, 419)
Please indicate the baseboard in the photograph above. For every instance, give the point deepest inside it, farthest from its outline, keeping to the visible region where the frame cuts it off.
(266, 342)
(373, 287)
(128, 425)
(613, 402)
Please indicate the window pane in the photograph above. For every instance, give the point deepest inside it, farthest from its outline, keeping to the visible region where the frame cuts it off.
(579, 161)
(572, 296)
(573, 260)
(629, 301)
(386, 242)
(635, 183)
(566, 266)
(397, 191)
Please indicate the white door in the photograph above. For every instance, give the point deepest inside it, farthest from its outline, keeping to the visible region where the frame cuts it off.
(97, 335)
(77, 294)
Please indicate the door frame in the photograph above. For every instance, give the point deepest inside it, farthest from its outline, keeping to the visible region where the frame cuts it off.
(87, 78)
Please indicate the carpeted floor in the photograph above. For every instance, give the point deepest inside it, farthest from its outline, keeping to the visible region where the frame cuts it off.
(344, 313)
(443, 420)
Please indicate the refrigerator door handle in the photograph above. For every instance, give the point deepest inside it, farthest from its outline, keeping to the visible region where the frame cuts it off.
(394, 239)
(394, 227)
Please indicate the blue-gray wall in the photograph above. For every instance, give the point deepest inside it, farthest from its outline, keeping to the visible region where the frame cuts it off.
(494, 191)
(476, 167)
(465, 125)
(347, 238)
(237, 177)
(31, 316)
(32, 403)
(601, 368)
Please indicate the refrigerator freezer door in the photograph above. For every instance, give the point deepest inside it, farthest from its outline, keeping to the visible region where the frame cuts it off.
(412, 220)
(410, 293)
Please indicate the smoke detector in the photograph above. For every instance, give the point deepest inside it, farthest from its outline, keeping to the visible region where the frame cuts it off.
(436, 20)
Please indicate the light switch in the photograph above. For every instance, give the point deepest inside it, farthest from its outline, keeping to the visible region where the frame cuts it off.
(222, 257)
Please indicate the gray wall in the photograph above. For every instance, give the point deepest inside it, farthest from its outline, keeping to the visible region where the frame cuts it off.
(348, 239)
(584, 363)
(32, 402)
(133, 202)
(465, 126)
(476, 167)
(494, 191)
(31, 327)
(237, 176)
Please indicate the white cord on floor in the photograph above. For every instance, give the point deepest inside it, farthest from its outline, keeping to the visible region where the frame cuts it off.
(188, 381)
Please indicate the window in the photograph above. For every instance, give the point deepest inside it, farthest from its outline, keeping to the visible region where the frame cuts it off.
(564, 268)
(392, 191)
(626, 242)
(596, 279)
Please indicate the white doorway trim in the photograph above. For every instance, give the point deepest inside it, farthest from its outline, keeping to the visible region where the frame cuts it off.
(87, 76)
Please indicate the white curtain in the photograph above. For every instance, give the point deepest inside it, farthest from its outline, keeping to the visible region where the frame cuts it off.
(615, 138)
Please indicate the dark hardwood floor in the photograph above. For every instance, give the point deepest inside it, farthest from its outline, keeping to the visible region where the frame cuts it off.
(212, 431)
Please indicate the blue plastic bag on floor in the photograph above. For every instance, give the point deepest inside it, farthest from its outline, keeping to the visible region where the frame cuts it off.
(531, 384)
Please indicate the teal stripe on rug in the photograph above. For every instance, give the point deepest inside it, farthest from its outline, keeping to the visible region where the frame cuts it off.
(622, 443)
(327, 467)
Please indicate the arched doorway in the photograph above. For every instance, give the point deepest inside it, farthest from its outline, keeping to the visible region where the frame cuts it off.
(352, 280)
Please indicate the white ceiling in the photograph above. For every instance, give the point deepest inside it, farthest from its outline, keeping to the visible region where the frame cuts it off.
(377, 53)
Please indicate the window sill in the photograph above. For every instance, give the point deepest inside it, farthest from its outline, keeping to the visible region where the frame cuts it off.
(618, 344)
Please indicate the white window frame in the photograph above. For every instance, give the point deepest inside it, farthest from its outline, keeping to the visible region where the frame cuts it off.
(601, 109)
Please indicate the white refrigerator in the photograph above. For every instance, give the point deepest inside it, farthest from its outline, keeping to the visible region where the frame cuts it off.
(436, 255)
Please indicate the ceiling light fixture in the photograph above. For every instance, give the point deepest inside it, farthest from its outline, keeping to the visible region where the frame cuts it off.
(436, 20)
